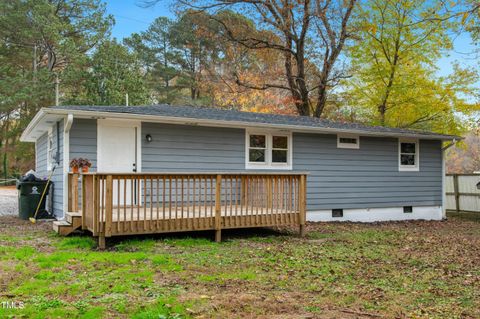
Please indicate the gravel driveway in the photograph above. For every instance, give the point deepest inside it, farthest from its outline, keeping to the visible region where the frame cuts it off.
(8, 201)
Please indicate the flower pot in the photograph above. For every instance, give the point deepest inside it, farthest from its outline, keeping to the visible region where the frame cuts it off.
(85, 169)
(75, 170)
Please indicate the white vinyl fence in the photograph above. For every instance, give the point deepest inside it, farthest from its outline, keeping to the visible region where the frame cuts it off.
(462, 193)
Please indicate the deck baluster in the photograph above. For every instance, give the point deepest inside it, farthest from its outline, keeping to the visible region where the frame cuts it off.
(231, 200)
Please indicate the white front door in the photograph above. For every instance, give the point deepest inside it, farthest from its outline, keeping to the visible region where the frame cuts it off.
(118, 150)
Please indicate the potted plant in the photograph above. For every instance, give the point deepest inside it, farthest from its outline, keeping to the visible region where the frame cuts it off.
(74, 165)
(85, 164)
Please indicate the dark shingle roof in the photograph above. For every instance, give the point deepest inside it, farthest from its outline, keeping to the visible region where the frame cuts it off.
(214, 114)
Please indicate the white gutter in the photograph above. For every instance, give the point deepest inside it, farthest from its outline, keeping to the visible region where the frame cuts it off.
(214, 123)
(66, 158)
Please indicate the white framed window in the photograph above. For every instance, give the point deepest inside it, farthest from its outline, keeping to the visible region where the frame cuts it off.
(50, 150)
(268, 150)
(348, 141)
(408, 155)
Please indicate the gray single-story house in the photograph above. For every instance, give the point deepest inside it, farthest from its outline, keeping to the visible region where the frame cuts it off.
(354, 172)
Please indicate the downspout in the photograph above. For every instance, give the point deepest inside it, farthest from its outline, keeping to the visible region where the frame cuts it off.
(66, 159)
(444, 194)
(57, 155)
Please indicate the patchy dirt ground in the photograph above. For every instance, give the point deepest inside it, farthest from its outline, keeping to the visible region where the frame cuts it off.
(385, 270)
(8, 200)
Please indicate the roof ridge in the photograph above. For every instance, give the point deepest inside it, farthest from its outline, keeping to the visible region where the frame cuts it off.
(229, 114)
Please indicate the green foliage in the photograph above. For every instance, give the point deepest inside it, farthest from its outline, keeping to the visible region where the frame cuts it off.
(113, 73)
(394, 67)
(136, 245)
(40, 39)
(176, 55)
(164, 308)
(382, 269)
(77, 242)
(393, 48)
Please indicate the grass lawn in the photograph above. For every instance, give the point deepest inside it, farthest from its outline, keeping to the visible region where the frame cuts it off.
(388, 270)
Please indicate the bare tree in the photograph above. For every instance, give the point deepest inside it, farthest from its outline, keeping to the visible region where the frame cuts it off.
(309, 35)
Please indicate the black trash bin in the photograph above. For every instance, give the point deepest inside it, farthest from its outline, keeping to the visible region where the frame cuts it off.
(29, 194)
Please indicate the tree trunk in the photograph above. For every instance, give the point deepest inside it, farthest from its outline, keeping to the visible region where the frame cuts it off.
(300, 81)
(382, 107)
(5, 147)
(322, 98)
(295, 83)
(323, 86)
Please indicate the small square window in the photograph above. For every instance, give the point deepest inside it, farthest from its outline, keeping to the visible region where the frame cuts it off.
(408, 155)
(337, 212)
(348, 141)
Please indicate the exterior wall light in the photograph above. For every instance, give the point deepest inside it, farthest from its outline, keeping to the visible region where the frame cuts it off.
(148, 137)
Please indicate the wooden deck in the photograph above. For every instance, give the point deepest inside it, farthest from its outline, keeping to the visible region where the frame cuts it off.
(124, 204)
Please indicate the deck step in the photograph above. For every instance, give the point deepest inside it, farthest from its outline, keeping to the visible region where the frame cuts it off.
(73, 218)
(64, 228)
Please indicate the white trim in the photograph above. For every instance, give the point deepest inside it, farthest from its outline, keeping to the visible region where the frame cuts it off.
(36, 155)
(123, 123)
(268, 150)
(409, 168)
(67, 125)
(348, 145)
(49, 148)
(28, 137)
(370, 215)
(444, 194)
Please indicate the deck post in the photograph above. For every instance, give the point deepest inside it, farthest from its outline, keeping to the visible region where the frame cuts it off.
(108, 205)
(84, 203)
(96, 205)
(69, 185)
(302, 206)
(218, 216)
(102, 241)
(74, 195)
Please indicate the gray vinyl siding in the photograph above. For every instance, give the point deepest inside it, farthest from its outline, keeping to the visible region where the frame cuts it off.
(57, 177)
(41, 166)
(338, 178)
(83, 143)
(41, 155)
(83, 140)
(178, 148)
(192, 148)
(367, 177)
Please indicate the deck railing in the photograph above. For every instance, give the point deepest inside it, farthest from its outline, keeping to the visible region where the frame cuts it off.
(139, 203)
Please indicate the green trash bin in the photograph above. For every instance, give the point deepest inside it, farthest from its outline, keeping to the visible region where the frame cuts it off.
(29, 194)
